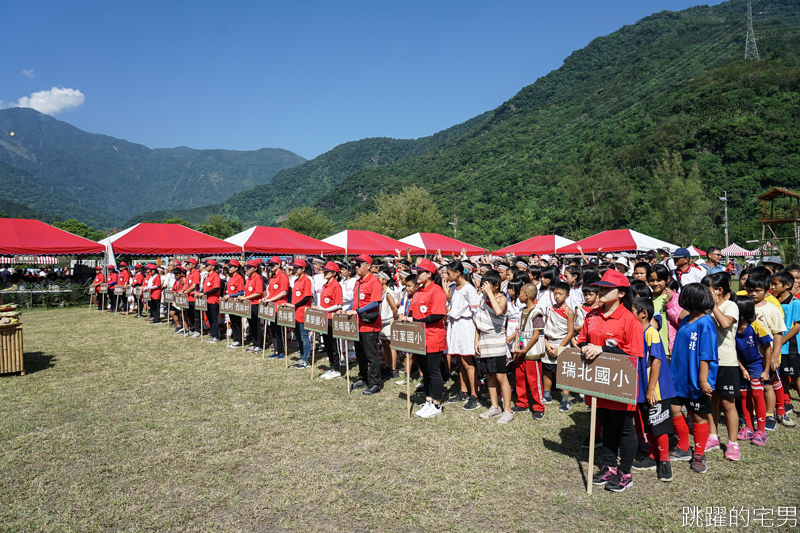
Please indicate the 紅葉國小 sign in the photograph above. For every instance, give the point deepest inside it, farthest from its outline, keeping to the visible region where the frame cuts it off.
(609, 375)
(408, 337)
(345, 327)
(317, 320)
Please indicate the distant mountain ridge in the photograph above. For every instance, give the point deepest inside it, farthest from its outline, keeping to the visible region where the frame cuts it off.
(124, 178)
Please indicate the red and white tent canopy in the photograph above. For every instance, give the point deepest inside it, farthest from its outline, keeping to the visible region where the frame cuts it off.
(543, 244)
(357, 242)
(430, 242)
(266, 240)
(695, 252)
(734, 250)
(20, 236)
(617, 240)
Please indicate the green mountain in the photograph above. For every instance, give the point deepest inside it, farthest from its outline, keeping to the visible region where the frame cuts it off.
(126, 178)
(9, 209)
(583, 148)
(303, 184)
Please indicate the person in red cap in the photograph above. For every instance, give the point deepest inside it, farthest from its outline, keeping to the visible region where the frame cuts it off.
(235, 288)
(192, 286)
(99, 279)
(429, 307)
(211, 289)
(302, 298)
(367, 297)
(613, 328)
(330, 300)
(138, 281)
(278, 292)
(154, 285)
(174, 312)
(124, 281)
(112, 284)
(253, 289)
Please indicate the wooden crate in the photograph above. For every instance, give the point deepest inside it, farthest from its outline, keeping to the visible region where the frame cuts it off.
(11, 351)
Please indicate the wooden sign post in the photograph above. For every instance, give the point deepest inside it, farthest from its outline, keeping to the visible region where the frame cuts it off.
(104, 291)
(226, 308)
(285, 319)
(181, 301)
(241, 308)
(201, 304)
(266, 310)
(345, 327)
(408, 337)
(118, 291)
(316, 322)
(609, 375)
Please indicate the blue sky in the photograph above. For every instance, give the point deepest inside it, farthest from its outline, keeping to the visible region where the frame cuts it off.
(304, 76)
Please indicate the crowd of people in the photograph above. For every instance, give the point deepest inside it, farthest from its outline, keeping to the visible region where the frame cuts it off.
(705, 355)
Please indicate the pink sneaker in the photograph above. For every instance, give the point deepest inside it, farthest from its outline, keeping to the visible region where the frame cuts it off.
(745, 434)
(712, 443)
(760, 438)
(732, 452)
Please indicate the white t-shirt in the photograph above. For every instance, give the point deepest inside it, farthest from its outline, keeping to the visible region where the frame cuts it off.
(726, 338)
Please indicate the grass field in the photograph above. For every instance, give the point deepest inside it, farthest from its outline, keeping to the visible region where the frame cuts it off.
(120, 426)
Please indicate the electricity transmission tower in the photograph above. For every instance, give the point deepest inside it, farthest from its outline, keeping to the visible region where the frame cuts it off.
(750, 48)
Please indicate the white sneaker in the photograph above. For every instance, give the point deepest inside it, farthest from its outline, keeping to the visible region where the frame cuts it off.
(506, 417)
(331, 374)
(424, 409)
(433, 411)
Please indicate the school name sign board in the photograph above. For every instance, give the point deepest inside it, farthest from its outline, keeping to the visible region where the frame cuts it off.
(609, 375)
(408, 337)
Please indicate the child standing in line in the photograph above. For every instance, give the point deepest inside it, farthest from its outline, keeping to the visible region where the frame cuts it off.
(589, 302)
(491, 349)
(572, 276)
(694, 373)
(528, 355)
(655, 393)
(559, 328)
(513, 311)
(782, 284)
(754, 352)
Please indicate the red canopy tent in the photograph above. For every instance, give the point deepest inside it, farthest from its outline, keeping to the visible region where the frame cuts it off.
(165, 239)
(543, 244)
(357, 242)
(28, 237)
(430, 242)
(266, 240)
(616, 240)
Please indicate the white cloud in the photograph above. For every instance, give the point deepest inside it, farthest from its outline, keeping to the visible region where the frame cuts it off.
(53, 101)
(28, 73)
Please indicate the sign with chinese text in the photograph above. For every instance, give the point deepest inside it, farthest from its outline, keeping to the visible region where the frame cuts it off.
(26, 259)
(200, 302)
(408, 337)
(266, 310)
(103, 288)
(226, 306)
(146, 295)
(119, 290)
(181, 257)
(181, 300)
(286, 316)
(241, 308)
(129, 291)
(137, 291)
(169, 296)
(345, 327)
(609, 375)
(317, 320)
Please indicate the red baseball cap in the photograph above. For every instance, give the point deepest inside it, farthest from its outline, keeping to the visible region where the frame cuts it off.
(234, 263)
(300, 263)
(210, 262)
(137, 265)
(363, 258)
(179, 269)
(275, 260)
(252, 263)
(613, 278)
(152, 266)
(98, 268)
(123, 264)
(330, 266)
(111, 267)
(426, 265)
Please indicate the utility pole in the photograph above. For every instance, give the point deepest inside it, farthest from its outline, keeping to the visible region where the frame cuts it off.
(454, 223)
(750, 48)
(725, 201)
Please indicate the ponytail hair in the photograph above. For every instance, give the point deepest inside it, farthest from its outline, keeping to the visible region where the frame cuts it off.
(718, 280)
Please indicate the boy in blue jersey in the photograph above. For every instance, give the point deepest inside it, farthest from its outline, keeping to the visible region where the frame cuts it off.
(781, 285)
(655, 393)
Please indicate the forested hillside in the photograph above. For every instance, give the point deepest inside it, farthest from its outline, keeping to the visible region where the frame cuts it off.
(593, 145)
(126, 178)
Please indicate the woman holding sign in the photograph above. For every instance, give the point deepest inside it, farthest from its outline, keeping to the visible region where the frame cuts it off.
(429, 306)
(235, 288)
(154, 286)
(99, 279)
(330, 300)
(613, 328)
(301, 299)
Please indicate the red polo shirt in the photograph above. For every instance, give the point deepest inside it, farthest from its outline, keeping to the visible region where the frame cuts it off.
(331, 295)
(366, 291)
(124, 277)
(212, 281)
(179, 285)
(138, 280)
(155, 294)
(302, 288)
(279, 283)
(98, 279)
(193, 278)
(254, 285)
(112, 279)
(235, 284)
(621, 327)
(431, 300)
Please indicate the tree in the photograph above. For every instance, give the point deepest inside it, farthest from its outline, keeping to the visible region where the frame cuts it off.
(399, 215)
(80, 229)
(177, 220)
(308, 221)
(682, 203)
(219, 227)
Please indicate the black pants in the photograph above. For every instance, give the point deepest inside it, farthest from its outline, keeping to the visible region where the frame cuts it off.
(619, 433)
(256, 333)
(432, 380)
(369, 362)
(99, 298)
(236, 328)
(213, 320)
(192, 318)
(277, 336)
(139, 306)
(331, 346)
(112, 298)
(155, 310)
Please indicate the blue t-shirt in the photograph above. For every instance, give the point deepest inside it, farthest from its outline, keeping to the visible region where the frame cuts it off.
(654, 349)
(791, 314)
(755, 335)
(694, 342)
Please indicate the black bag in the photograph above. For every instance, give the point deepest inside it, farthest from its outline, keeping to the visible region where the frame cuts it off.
(369, 318)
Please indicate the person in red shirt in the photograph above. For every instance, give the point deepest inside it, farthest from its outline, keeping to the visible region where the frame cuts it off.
(154, 285)
(99, 279)
(277, 292)
(138, 281)
(124, 281)
(613, 328)
(302, 298)
(112, 284)
(192, 286)
(429, 307)
(211, 289)
(253, 289)
(235, 288)
(330, 300)
(174, 312)
(367, 296)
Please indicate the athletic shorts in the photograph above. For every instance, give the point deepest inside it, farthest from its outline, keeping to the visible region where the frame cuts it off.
(657, 419)
(698, 406)
(728, 379)
(774, 376)
(550, 368)
(493, 365)
(790, 365)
